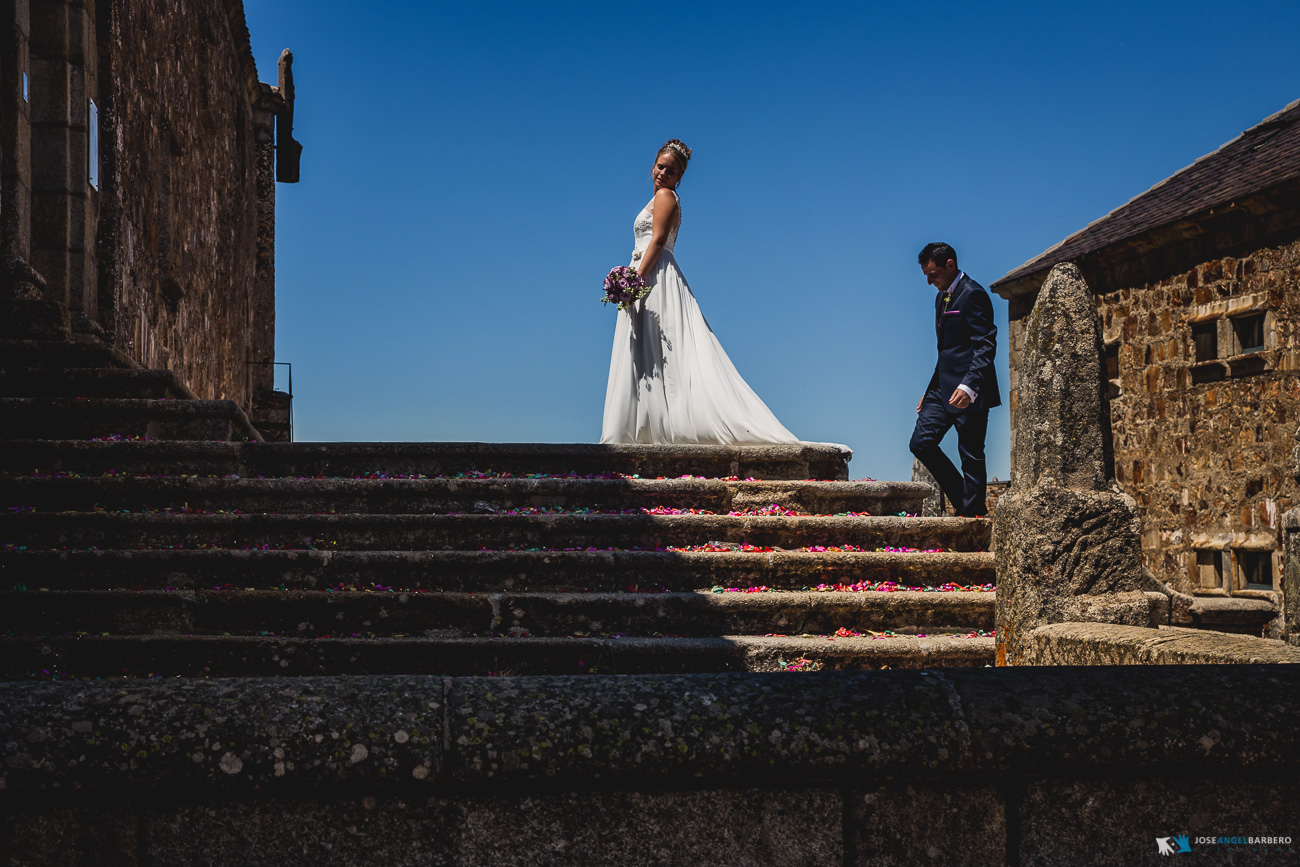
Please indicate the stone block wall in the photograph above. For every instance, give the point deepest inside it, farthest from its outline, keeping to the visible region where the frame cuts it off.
(178, 241)
(1204, 447)
(1025, 766)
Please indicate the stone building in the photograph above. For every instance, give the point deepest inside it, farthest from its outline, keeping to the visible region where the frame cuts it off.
(138, 157)
(1197, 283)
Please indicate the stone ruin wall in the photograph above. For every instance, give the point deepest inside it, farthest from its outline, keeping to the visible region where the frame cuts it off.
(1209, 462)
(178, 242)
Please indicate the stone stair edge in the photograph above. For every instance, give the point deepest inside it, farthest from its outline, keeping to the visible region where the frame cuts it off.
(410, 734)
(307, 613)
(419, 495)
(47, 530)
(508, 570)
(40, 382)
(25, 412)
(404, 457)
(16, 351)
(273, 656)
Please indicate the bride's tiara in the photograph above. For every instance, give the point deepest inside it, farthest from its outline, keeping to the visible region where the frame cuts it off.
(680, 148)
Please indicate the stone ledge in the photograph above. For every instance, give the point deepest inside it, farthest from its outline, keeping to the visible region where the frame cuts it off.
(1110, 644)
(230, 738)
(1239, 614)
(144, 657)
(313, 613)
(803, 461)
(421, 496)
(52, 530)
(60, 418)
(484, 570)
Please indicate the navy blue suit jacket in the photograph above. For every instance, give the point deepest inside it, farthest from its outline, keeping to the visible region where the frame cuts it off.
(967, 340)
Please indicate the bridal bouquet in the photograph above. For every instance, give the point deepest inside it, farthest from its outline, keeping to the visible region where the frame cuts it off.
(624, 287)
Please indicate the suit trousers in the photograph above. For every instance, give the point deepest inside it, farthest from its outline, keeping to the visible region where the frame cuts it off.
(966, 489)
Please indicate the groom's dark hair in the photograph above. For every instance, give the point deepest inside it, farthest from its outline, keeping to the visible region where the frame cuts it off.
(938, 252)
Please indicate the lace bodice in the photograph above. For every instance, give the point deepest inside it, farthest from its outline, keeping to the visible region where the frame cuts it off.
(643, 228)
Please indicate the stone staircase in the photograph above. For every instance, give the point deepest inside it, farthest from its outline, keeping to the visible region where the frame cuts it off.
(146, 534)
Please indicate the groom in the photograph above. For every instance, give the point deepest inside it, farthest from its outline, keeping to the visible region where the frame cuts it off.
(964, 386)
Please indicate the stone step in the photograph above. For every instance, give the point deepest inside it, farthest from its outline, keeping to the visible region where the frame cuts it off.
(71, 418)
(484, 571)
(110, 382)
(80, 351)
(144, 655)
(425, 496)
(313, 613)
(46, 530)
(350, 460)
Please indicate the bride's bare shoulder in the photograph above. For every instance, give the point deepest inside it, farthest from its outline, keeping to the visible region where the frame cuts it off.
(664, 198)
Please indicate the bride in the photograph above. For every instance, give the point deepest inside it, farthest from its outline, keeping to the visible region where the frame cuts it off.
(670, 381)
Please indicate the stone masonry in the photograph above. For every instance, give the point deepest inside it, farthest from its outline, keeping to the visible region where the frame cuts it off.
(138, 161)
(180, 232)
(1197, 285)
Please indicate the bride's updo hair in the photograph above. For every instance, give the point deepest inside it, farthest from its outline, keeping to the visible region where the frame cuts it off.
(678, 149)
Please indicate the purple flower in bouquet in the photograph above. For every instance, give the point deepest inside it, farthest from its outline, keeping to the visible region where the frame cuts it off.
(624, 287)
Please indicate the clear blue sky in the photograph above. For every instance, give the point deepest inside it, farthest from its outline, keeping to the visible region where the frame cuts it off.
(471, 172)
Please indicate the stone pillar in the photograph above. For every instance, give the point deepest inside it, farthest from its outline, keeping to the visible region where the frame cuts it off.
(63, 76)
(51, 119)
(262, 304)
(1066, 539)
(15, 130)
(83, 197)
(24, 310)
(1291, 562)
(277, 158)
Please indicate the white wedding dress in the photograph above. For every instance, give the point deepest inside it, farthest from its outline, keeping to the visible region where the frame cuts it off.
(670, 381)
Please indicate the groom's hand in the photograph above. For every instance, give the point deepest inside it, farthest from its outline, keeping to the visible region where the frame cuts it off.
(959, 399)
(918, 404)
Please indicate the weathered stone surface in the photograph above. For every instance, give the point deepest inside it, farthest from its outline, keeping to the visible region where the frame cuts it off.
(803, 461)
(1230, 614)
(357, 829)
(1291, 576)
(442, 652)
(1113, 644)
(1133, 721)
(309, 613)
(100, 382)
(933, 504)
(55, 838)
(711, 726)
(1205, 448)
(1123, 820)
(179, 204)
(219, 736)
(425, 496)
(480, 571)
(736, 826)
(1066, 541)
(560, 531)
(1064, 555)
(631, 731)
(71, 418)
(954, 823)
(1061, 407)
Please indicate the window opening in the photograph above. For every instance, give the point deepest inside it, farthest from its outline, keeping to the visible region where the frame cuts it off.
(1205, 336)
(1209, 566)
(1256, 569)
(1249, 331)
